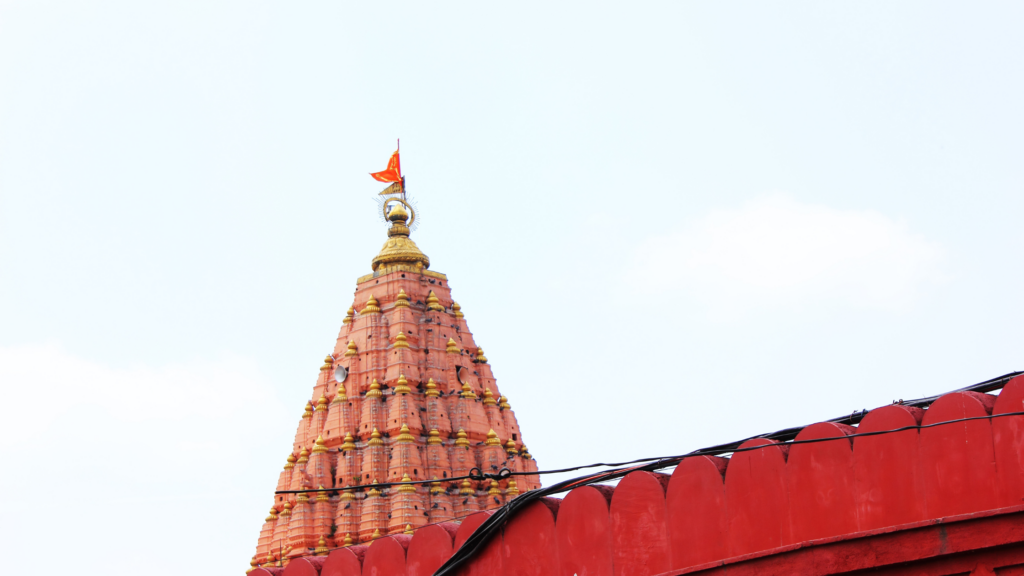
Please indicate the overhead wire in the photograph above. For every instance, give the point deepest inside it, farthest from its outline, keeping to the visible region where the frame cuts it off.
(779, 438)
(783, 435)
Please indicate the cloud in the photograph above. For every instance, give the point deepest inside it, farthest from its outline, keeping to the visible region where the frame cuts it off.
(46, 378)
(776, 251)
(179, 456)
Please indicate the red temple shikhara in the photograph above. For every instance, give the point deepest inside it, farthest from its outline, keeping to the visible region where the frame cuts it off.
(406, 395)
(406, 407)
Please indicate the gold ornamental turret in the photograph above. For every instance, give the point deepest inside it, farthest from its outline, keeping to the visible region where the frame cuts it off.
(399, 249)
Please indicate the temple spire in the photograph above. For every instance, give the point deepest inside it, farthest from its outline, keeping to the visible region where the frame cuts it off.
(406, 394)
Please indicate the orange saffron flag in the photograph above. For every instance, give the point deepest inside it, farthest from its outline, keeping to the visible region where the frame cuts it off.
(393, 173)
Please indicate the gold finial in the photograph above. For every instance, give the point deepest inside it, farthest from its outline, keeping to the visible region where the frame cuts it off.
(321, 547)
(434, 437)
(290, 463)
(252, 565)
(406, 488)
(303, 456)
(402, 386)
(524, 452)
(433, 303)
(376, 534)
(399, 249)
(340, 396)
(401, 341)
(328, 363)
(287, 509)
(467, 488)
(402, 300)
(321, 404)
(318, 446)
(488, 397)
(510, 447)
(503, 403)
(492, 439)
(302, 498)
(408, 529)
(273, 514)
(348, 539)
(372, 306)
(309, 410)
(349, 316)
(321, 496)
(467, 392)
(373, 491)
(435, 487)
(461, 439)
(494, 491)
(347, 495)
(404, 436)
(432, 388)
(374, 391)
(397, 214)
(351, 350)
(349, 443)
(480, 356)
(456, 308)
(453, 348)
(375, 440)
(513, 490)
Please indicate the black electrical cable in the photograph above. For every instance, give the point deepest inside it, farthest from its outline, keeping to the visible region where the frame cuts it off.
(783, 435)
(501, 516)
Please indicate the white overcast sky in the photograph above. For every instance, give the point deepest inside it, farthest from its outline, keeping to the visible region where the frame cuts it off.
(669, 224)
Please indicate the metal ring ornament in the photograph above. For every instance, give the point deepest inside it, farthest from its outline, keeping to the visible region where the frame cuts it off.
(412, 212)
(478, 474)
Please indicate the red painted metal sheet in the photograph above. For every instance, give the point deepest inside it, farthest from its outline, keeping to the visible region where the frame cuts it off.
(583, 528)
(487, 562)
(821, 481)
(529, 544)
(344, 562)
(640, 545)
(305, 566)
(758, 503)
(469, 525)
(1008, 442)
(888, 486)
(958, 460)
(949, 546)
(386, 556)
(431, 546)
(696, 511)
